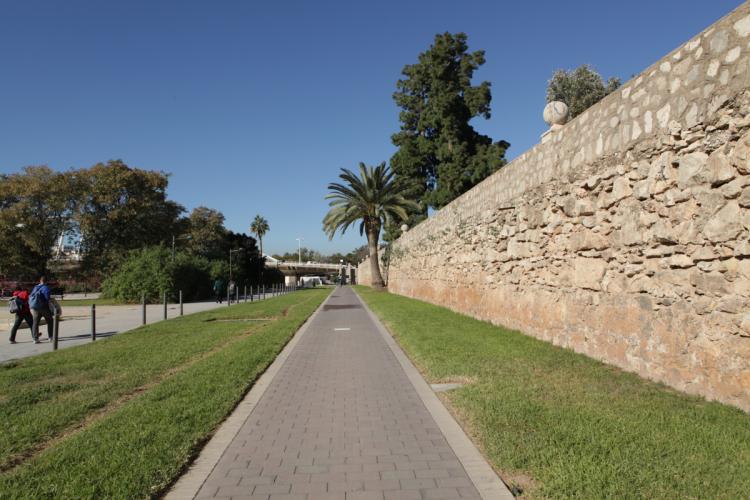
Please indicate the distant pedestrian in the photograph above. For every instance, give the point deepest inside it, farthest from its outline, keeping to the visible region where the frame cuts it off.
(22, 312)
(39, 303)
(219, 290)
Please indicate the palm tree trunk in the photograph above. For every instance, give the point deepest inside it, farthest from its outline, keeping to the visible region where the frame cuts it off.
(372, 246)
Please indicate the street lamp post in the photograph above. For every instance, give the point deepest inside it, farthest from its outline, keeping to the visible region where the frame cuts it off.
(230, 267)
(174, 238)
(299, 250)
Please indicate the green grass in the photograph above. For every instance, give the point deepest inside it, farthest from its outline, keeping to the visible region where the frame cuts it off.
(119, 418)
(88, 302)
(563, 425)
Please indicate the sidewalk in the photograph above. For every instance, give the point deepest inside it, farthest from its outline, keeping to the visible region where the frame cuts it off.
(75, 327)
(341, 415)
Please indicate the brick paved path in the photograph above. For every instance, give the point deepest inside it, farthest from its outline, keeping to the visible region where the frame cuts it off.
(339, 421)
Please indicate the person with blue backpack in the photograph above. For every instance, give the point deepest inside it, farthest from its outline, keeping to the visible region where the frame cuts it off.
(39, 303)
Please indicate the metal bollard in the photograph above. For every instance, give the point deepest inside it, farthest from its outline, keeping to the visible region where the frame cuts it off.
(55, 329)
(143, 302)
(236, 295)
(181, 310)
(93, 322)
(245, 293)
(165, 305)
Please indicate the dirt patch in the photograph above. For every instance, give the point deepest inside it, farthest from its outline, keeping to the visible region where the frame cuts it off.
(457, 379)
(520, 484)
(346, 306)
(236, 320)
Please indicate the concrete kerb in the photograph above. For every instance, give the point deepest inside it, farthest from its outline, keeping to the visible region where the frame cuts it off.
(485, 480)
(191, 481)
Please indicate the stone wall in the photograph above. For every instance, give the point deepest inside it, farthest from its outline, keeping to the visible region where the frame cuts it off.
(625, 234)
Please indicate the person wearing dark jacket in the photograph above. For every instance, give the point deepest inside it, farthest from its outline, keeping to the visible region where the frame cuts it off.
(218, 290)
(39, 305)
(23, 314)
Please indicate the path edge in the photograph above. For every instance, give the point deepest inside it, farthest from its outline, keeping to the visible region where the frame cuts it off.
(188, 485)
(486, 481)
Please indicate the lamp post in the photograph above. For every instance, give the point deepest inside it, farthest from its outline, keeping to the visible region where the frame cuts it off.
(299, 249)
(341, 272)
(174, 238)
(230, 264)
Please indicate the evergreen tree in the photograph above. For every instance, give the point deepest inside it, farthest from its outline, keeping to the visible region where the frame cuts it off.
(440, 155)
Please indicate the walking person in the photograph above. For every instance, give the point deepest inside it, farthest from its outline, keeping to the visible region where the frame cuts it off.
(219, 290)
(39, 303)
(22, 313)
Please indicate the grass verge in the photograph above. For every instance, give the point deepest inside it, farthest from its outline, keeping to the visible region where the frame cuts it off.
(559, 424)
(120, 418)
(88, 302)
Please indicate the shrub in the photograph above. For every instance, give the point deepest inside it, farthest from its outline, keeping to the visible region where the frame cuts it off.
(152, 271)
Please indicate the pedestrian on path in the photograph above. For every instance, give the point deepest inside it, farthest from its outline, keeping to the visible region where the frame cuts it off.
(219, 290)
(22, 312)
(39, 302)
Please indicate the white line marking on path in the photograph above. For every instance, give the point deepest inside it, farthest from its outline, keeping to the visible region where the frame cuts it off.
(341, 329)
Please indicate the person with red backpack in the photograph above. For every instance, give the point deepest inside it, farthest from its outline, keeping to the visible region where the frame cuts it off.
(21, 310)
(39, 302)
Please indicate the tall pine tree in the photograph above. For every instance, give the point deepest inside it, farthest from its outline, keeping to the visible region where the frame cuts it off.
(440, 155)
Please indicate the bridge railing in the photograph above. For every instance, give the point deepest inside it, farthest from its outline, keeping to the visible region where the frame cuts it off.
(305, 265)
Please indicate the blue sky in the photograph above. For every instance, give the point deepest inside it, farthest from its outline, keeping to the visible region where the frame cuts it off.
(254, 106)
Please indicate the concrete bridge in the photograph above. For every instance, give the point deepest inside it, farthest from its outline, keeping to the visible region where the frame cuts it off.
(293, 271)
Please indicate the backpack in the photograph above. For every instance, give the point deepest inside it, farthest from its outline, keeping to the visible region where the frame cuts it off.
(36, 299)
(15, 305)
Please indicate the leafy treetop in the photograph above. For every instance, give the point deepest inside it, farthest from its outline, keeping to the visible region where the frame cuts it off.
(580, 88)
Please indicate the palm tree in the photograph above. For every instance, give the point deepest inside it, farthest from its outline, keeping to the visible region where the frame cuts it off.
(372, 198)
(260, 227)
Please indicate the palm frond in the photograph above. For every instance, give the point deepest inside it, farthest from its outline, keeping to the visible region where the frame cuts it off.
(370, 197)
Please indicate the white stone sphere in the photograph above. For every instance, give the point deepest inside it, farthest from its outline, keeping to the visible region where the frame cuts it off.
(556, 113)
(404, 228)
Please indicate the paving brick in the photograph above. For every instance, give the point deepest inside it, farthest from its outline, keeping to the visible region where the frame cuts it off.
(271, 488)
(417, 484)
(327, 496)
(435, 473)
(218, 481)
(346, 486)
(230, 491)
(382, 485)
(256, 480)
(402, 495)
(397, 474)
(440, 493)
(288, 496)
(310, 488)
(364, 495)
